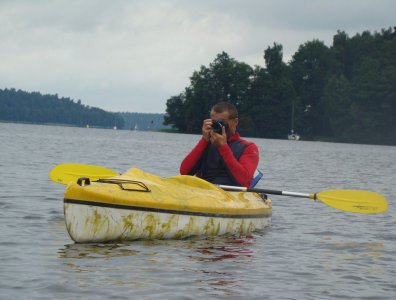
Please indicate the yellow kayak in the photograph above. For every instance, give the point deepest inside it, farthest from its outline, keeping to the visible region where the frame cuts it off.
(139, 205)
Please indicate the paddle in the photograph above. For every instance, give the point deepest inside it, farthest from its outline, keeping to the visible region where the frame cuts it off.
(357, 201)
(65, 173)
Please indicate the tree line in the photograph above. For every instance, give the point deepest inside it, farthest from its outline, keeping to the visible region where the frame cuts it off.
(21, 106)
(345, 92)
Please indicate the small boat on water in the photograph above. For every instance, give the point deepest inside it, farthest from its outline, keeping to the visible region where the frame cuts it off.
(293, 136)
(139, 205)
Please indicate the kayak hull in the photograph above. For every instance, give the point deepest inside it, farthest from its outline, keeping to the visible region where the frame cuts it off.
(102, 212)
(103, 224)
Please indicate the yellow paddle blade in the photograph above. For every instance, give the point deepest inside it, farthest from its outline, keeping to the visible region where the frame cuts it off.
(357, 201)
(66, 173)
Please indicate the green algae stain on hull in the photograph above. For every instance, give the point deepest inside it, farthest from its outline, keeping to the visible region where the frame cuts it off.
(150, 224)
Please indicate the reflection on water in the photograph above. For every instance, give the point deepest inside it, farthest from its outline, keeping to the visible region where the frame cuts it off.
(95, 251)
(90, 258)
(231, 248)
(213, 249)
(209, 263)
(353, 252)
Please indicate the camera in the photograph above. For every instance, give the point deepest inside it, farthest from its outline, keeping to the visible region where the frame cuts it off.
(217, 126)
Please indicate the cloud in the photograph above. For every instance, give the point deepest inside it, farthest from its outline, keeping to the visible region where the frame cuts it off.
(134, 55)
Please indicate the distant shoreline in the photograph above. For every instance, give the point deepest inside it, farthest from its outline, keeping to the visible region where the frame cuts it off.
(51, 124)
(169, 130)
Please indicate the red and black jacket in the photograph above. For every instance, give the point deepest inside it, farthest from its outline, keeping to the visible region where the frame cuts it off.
(230, 164)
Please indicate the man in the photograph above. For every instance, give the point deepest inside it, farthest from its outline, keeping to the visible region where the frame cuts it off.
(223, 157)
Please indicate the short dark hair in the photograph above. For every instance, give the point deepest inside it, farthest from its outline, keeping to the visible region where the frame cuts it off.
(226, 106)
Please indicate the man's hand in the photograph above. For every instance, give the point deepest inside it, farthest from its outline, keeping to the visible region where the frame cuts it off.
(206, 129)
(218, 140)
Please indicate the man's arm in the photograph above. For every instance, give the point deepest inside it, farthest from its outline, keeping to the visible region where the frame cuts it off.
(243, 170)
(190, 162)
(189, 165)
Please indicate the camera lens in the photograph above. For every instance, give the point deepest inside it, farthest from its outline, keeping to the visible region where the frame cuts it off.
(217, 126)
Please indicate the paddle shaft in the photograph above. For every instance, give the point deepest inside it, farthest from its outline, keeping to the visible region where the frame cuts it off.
(265, 191)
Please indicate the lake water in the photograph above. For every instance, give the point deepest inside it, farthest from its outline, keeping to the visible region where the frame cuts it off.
(310, 251)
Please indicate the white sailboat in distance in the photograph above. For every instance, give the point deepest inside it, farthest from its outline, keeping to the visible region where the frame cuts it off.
(292, 136)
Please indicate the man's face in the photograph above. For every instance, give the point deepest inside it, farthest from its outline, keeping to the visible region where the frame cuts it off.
(225, 117)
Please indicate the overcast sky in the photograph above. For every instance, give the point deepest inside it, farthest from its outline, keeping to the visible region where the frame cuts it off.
(134, 55)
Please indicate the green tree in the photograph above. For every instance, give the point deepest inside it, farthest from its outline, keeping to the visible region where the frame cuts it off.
(224, 80)
(21, 106)
(310, 65)
(337, 100)
(269, 103)
(345, 92)
(175, 112)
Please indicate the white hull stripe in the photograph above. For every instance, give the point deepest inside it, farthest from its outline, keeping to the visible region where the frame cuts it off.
(167, 211)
